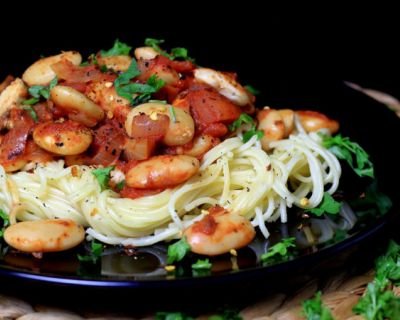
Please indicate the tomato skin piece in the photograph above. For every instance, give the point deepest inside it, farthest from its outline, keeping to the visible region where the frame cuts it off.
(107, 145)
(133, 193)
(215, 130)
(144, 127)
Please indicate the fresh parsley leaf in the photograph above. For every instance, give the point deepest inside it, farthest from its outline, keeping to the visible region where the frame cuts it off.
(387, 266)
(30, 101)
(202, 265)
(125, 77)
(346, 150)
(252, 90)
(252, 132)
(120, 185)
(172, 113)
(226, 314)
(373, 197)
(119, 49)
(178, 250)
(243, 118)
(38, 92)
(314, 310)
(127, 90)
(103, 176)
(172, 316)
(32, 113)
(158, 101)
(328, 205)
(377, 303)
(176, 53)
(279, 252)
(94, 254)
(5, 222)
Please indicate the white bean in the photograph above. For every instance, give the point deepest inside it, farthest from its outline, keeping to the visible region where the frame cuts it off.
(180, 130)
(63, 138)
(162, 172)
(44, 235)
(146, 53)
(76, 102)
(41, 73)
(224, 84)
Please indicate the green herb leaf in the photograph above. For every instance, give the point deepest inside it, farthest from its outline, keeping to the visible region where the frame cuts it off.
(5, 222)
(328, 205)
(176, 53)
(94, 255)
(378, 302)
(373, 197)
(38, 92)
(103, 176)
(226, 314)
(172, 316)
(32, 113)
(202, 265)
(279, 252)
(30, 101)
(252, 132)
(120, 185)
(119, 49)
(172, 113)
(243, 118)
(346, 150)
(178, 250)
(314, 310)
(127, 90)
(158, 101)
(252, 90)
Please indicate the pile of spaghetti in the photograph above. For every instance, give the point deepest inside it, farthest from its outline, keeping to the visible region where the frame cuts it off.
(138, 149)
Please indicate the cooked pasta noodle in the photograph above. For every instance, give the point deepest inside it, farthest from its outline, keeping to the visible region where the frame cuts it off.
(238, 176)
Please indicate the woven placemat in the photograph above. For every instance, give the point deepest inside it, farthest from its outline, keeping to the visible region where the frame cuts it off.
(340, 293)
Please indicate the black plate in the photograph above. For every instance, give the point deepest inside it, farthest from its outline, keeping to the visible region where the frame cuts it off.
(142, 276)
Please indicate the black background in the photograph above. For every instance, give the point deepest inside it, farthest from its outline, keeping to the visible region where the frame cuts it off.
(285, 52)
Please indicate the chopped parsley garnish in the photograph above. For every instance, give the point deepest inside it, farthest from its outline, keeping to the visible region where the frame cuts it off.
(176, 53)
(279, 252)
(346, 150)
(158, 101)
(314, 310)
(252, 90)
(172, 316)
(378, 302)
(38, 92)
(178, 250)
(32, 113)
(372, 197)
(202, 265)
(328, 205)
(119, 49)
(136, 93)
(96, 250)
(120, 185)
(172, 113)
(103, 176)
(5, 222)
(226, 314)
(245, 118)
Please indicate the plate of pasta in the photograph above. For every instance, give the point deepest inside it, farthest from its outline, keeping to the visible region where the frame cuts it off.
(138, 165)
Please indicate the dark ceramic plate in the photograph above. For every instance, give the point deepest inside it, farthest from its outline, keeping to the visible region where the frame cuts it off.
(140, 273)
